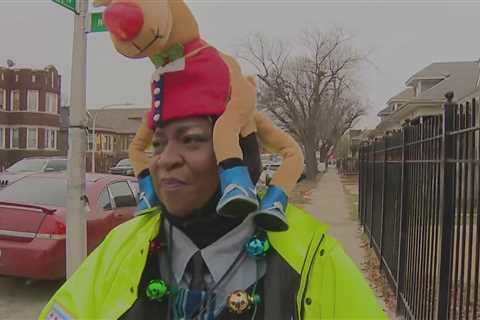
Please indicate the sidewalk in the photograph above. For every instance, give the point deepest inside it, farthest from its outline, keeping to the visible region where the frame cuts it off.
(329, 204)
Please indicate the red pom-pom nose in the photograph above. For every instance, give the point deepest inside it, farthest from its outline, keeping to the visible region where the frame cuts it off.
(124, 20)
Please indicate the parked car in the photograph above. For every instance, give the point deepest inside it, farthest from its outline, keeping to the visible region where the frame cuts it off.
(28, 166)
(271, 166)
(123, 167)
(32, 220)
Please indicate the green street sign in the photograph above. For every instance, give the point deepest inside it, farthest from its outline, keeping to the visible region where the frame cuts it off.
(96, 22)
(69, 4)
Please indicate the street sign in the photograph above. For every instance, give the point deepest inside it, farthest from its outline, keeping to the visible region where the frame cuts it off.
(96, 22)
(69, 4)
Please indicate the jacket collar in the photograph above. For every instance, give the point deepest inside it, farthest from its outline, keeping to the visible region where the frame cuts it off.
(292, 245)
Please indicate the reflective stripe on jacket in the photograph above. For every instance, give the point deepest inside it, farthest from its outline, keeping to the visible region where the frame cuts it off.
(105, 285)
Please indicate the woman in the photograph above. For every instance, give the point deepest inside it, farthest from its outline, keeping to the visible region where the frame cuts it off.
(168, 263)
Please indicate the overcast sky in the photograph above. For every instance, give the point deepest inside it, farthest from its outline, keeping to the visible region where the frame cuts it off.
(404, 36)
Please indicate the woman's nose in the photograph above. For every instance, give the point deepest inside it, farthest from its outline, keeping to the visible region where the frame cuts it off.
(124, 20)
(170, 157)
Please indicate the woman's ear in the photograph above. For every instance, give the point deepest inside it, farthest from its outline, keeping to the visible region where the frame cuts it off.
(101, 3)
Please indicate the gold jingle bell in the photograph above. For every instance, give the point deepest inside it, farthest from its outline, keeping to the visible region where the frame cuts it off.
(239, 301)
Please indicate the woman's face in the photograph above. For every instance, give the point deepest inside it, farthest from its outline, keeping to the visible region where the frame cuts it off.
(184, 169)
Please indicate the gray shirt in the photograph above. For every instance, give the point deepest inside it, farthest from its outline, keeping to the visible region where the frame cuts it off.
(218, 257)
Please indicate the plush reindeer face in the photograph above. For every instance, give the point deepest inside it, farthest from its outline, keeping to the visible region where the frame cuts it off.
(139, 28)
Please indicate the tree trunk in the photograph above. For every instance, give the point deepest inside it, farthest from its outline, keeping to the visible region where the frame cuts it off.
(323, 152)
(311, 160)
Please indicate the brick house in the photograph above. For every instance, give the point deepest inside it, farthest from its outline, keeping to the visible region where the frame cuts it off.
(29, 114)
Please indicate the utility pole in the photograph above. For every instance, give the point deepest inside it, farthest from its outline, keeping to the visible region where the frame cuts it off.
(77, 201)
(76, 244)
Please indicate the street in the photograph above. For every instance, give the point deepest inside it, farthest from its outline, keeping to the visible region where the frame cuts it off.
(22, 300)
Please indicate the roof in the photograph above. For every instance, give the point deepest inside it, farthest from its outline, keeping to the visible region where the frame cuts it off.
(459, 77)
(124, 120)
(46, 69)
(385, 111)
(474, 93)
(47, 157)
(404, 95)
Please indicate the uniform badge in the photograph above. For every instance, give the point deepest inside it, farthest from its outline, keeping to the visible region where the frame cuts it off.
(58, 313)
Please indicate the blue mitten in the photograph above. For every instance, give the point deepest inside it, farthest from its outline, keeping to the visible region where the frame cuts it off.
(239, 197)
(271, 216)
(148, 198)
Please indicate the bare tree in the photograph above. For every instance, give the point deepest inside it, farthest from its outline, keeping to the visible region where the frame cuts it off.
(309, 92)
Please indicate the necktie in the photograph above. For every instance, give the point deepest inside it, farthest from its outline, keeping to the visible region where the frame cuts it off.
(197, 269)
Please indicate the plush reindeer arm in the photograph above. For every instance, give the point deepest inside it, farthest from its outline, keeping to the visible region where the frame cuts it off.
(238, 116)
(278, 141)
(136, 150)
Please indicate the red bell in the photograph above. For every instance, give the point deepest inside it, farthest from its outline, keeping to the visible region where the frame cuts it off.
(124, 20)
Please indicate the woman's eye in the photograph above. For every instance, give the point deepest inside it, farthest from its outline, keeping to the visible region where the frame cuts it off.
(194, 139)
(158, 147)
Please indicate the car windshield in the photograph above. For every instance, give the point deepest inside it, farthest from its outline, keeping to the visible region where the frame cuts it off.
(56, 165)
(37, 190)
(27, 165)
(123, 163)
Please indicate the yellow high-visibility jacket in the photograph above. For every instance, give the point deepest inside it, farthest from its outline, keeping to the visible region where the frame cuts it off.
(105, 285)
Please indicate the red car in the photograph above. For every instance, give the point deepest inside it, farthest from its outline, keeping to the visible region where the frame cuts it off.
(32, 220)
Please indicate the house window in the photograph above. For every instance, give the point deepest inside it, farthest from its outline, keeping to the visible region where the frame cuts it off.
(34, 78)
(17, 78)
(2, 138)
(53, 80)
(32, 100)
(51, 103)
(15, 100)
(50, 139)
(2, 99)
(32, 138)
(124, 144)
(107, 143)
(14, 138)
(3, 76)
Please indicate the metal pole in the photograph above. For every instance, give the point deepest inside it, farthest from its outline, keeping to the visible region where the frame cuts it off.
(372, 205)
(76, 244)
(447, 219)
(384, 200)
(402, 235)
(94, 151)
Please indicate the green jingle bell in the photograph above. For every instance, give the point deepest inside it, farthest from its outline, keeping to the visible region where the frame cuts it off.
(239, 301)
(257, 246)
(157, 290)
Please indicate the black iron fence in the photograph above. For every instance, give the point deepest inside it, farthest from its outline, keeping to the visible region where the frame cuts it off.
(419, 205)
(347, 167)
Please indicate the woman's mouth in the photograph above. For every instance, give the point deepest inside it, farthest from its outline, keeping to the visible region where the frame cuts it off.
(172, 184)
